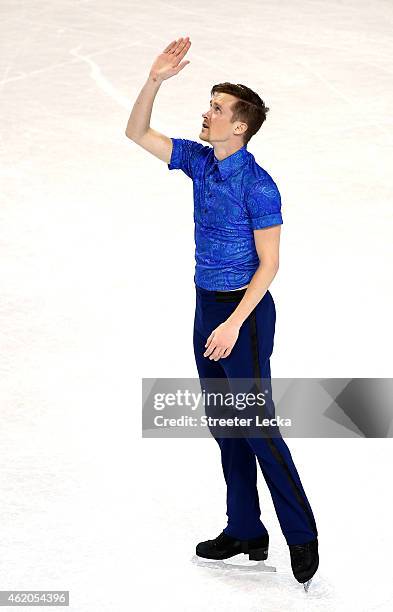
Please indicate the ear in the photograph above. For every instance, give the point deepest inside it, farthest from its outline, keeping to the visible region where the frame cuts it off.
(241, 128)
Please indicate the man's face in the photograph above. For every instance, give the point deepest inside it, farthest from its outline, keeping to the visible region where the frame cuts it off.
(218, 120)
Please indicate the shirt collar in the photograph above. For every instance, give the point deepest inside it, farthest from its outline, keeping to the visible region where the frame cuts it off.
(232, 163)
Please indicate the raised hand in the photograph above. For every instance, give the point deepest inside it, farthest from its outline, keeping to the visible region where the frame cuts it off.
(167, 64)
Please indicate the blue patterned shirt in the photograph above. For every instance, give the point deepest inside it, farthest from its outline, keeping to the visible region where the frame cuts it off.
(232, 197)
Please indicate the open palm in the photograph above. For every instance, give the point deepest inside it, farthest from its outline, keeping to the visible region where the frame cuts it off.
(168, 64)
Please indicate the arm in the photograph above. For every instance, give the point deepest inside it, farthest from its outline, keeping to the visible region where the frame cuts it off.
(264, 208)
(267, 244)
(138, 128)
(223, 338)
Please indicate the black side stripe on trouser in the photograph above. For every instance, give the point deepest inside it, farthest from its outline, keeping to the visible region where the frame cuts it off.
(273, 448)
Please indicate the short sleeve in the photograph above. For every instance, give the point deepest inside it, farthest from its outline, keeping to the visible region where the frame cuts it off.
(264, 204)
(186, 155)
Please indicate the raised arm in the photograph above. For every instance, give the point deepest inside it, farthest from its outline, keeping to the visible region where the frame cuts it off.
(138, 129)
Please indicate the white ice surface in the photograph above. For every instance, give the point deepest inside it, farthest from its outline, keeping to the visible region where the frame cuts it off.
(96, 292)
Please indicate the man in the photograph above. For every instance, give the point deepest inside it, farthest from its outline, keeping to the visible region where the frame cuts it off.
(237, 213)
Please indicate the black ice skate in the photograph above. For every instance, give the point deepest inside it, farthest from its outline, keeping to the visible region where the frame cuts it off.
(304, 561)
(224, 547)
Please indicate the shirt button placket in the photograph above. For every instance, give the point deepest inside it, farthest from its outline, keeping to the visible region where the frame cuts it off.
(209, 197)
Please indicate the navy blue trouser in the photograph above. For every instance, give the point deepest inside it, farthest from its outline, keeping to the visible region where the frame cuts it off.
(250, 358)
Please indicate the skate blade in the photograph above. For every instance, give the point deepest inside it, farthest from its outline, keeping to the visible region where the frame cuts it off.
(307, 585)
(248, 566)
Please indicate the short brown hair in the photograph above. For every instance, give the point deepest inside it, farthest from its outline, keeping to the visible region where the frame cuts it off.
(249, 108)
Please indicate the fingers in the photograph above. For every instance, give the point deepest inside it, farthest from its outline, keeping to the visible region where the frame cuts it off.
(182, 47)
(216, 353)
(212, 348)
(210, 338)
(178, 50)
(174, 46)
(209, 345)
(171, 44)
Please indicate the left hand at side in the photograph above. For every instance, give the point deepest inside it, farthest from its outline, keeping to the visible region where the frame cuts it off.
(221, 341)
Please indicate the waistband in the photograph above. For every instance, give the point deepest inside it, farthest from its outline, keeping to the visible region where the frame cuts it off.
(221, 296)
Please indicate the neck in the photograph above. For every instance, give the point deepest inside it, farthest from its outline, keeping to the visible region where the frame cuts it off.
(224, 149)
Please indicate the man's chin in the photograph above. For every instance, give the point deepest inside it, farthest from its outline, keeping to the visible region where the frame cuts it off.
(204, 136)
